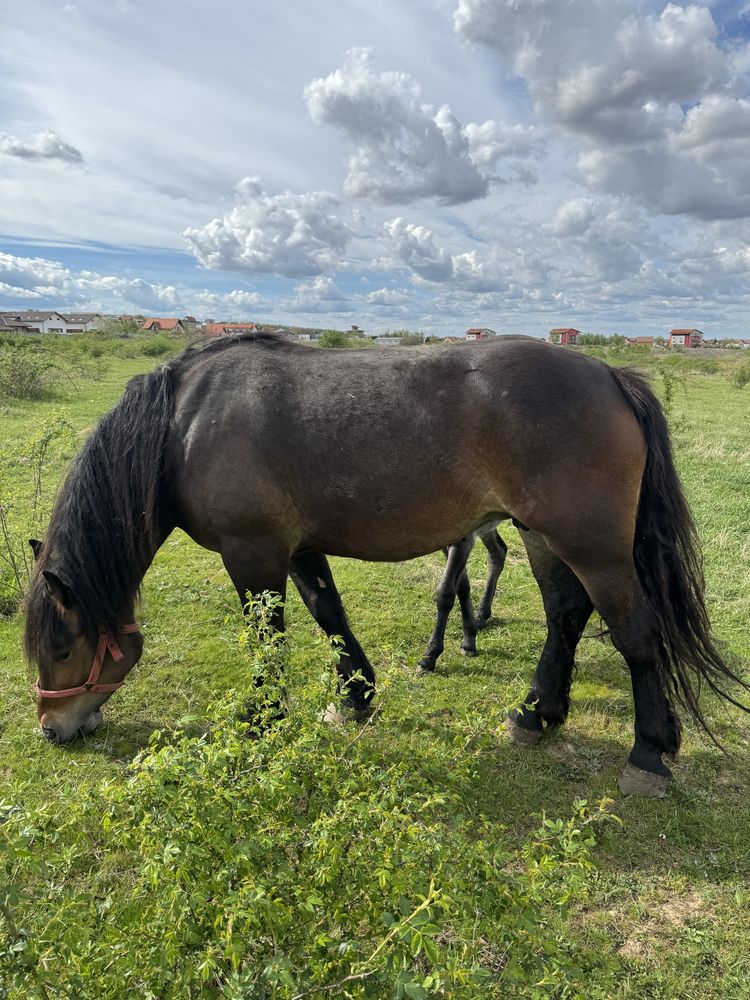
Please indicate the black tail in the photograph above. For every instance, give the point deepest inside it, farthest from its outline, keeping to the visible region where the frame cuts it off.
(668, 560)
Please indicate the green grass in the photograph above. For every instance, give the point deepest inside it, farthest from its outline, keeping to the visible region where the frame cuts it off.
(669, 906)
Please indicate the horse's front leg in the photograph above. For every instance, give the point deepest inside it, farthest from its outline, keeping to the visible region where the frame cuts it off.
(314, 581)
(256, 566)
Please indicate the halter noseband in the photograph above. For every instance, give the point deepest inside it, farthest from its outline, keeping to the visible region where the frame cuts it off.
(106, 642)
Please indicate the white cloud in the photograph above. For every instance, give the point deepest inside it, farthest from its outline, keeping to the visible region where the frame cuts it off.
(289, 234)
(319, 295)
(402, 149)
(415, 246)
(388, 297)
(44, 146)
(42, 279)
(617, 80)
(492, 141)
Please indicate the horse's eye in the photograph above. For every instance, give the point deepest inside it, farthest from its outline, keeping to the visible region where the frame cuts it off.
(64, 658)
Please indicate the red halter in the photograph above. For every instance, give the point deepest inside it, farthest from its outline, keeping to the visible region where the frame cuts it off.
(106, 642)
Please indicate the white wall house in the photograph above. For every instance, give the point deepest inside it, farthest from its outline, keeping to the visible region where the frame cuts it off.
(37, 321)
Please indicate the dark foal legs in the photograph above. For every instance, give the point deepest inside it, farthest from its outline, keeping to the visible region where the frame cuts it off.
(496, 551)
(567, 607)
(314, 581)
(454, 581)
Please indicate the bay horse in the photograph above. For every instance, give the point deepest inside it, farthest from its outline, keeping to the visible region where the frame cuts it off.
(275, 455)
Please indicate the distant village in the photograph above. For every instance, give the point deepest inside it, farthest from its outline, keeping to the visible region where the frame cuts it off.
(66, 323)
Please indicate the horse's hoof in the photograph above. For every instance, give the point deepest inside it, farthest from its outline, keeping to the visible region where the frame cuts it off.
(520, 736)
(339, 715)
(468, 652)
(426, 667)
(636, 781)
(671, 758)
(481, 622)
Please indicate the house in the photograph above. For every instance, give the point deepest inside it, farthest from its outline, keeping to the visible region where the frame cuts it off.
(479, 333)
(564, 336)
(641, 342)
(744, 344)
(81, 322)
(387, 341)
(35, 322)
(163, 326)
(229, 329)
(685, 338)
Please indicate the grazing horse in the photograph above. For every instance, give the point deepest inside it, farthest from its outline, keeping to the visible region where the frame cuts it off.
(275, 454)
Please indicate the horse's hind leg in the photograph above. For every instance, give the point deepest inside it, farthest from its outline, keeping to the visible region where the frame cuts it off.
(312, 575)
(567, 607)
(619, 597)
(496, 551)
(445, 597)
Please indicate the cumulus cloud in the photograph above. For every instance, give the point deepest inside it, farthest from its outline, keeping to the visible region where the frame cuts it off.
(403, 149)
(640, 92)
(492, 141)
(319, 295)
(37, 278)
(44, 146)
(387, 297)
(238, 298)
(289, 234)
(415, 246)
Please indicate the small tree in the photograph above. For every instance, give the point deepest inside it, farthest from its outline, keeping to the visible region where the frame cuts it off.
(333, 338)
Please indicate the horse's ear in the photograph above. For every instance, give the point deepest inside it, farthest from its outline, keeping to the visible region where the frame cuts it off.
(57, 589)
(36, 547)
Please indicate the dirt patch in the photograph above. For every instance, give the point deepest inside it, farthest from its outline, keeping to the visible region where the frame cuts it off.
(670, 915)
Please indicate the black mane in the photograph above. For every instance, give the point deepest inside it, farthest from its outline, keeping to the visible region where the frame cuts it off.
(106, 523)
(104, 528)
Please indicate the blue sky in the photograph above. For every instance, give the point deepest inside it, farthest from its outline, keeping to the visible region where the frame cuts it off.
(431, 165)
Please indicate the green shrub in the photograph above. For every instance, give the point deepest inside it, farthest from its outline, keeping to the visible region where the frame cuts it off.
(280, 858)
(24, 507)
(32, 368)
(157, 347)
(741, 376)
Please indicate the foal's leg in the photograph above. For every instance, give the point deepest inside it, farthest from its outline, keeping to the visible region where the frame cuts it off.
(450, 583)
(567, 607)
(497, 551)
(314, 580)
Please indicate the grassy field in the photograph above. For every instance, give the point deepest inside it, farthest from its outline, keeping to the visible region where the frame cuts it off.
(666, 909)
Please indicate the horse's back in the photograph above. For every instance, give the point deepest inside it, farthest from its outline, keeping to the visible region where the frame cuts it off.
(393, 452)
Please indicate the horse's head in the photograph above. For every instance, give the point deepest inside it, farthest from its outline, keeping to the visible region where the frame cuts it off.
(78, 668)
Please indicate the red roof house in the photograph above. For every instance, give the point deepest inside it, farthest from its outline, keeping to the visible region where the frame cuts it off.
(163, 325)
(479, 333)
(565, 336)
(228, 329)
(640, 341)
(685, 338)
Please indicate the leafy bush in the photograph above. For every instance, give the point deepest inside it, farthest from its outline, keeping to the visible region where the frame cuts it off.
(741, 376)
(23, 507)
(333, 338)
(157, 347)
(32, 369)
(279, 859)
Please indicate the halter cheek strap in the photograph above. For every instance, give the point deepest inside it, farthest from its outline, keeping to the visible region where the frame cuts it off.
(106, 642)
